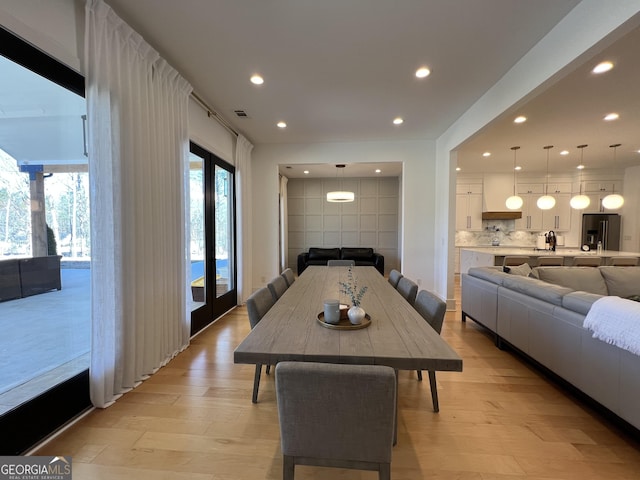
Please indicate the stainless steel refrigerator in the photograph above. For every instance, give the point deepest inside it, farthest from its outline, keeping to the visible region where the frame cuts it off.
(601, 227)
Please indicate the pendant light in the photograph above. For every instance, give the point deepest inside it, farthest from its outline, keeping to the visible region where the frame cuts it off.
(340, 196)
(514, 202)
(580, 201)
(546, 201)
(614, 200)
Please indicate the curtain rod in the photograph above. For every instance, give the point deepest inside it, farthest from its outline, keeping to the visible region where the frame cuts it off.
(212, 113)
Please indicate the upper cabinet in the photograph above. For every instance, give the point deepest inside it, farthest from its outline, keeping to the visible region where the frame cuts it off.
(469, 206)
(608, 186)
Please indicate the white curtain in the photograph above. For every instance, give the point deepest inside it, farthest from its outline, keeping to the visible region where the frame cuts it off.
(138, 153)
(284, 224)
(244, 218)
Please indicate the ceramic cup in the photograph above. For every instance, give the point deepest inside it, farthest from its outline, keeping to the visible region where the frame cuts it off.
(331, 311)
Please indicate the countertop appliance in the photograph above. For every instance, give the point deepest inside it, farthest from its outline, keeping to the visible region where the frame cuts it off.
(601, 227)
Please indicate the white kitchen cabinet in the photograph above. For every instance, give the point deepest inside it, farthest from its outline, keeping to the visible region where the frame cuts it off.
(560, 187)
(527, 188)
(558, 218)
(608, 186)
(531, 215)
(469, 211)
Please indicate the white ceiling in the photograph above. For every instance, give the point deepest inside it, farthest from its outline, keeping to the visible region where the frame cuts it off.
(340, 70)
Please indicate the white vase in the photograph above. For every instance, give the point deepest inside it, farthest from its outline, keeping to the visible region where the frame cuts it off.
(356, 315)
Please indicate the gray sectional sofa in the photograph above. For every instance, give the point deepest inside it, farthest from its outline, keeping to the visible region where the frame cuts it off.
(542, 316)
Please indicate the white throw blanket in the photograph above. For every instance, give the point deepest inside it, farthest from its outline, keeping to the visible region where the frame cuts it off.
(616, 321)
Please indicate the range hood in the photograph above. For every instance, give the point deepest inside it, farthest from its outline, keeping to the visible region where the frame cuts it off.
(508, 215)
(496, 188)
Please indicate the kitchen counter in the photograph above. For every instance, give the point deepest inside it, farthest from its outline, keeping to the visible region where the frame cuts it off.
(482, 256)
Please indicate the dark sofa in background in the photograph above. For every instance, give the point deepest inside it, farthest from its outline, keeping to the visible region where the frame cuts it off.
(362, 256)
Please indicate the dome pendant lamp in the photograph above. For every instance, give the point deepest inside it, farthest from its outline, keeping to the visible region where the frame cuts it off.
(514, 202)
(340, 196)
(613, 201)
(580, 201)
(546, 202)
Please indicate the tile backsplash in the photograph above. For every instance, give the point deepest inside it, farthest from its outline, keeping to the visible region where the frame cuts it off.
(502, 230)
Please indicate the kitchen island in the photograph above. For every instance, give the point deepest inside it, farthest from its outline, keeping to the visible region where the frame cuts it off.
(488, 256)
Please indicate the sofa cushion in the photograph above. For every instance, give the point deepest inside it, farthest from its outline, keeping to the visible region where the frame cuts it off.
(579, 301)
(536, 288)
(322, 255)
(523, 270)
(621, 281)
(491, 274)
(356, 254)
(586, 279)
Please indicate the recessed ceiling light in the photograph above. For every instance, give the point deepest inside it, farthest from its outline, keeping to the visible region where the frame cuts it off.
(257, 79)
(486, 154)
(518, 168)
(580, 167)
(423, 72)
(306, 172)
(611, 116)
(398, 121)
(378, 170)
(564, 152)
(458, 169)
(281, 125)
(602, 67)
(520, 119)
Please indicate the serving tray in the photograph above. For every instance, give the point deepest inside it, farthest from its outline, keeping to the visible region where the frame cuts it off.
(344, 323)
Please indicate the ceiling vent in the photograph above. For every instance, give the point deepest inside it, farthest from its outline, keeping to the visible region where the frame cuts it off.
(241, 113)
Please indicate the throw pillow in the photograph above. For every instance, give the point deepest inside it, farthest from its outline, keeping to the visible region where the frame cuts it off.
(523, 270)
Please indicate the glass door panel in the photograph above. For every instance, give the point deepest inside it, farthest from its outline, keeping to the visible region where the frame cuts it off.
(223, 230)
(197, 279)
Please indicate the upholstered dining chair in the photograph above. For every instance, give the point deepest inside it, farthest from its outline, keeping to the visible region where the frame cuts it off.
(432, 309)
(587, 261)
(258, 304)
(624, 261)
(514, 260)
(394, 278)
(277, 287)
(550, 261)
(288, 276)
(351, 428)
(341, 263)
(408, 289)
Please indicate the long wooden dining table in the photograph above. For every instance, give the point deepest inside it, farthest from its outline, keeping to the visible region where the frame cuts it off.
(397, 336)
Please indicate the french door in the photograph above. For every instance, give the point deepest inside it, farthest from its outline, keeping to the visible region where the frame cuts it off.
(213, 237)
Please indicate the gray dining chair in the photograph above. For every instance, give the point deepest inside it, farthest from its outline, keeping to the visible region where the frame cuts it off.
(288, 276)
(408, 289)
(341, 263)
(394, 278)
(432, 309)
(277, 287)
(353, 427)
(258, 304)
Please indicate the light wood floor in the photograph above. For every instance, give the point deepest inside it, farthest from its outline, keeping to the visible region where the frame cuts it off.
(499, 419)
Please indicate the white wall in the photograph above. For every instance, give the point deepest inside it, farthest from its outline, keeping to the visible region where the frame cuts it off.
(571, 40)
(370, 221)
(417, 198)
(54, 26)
(209, 134)
(630, 211)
